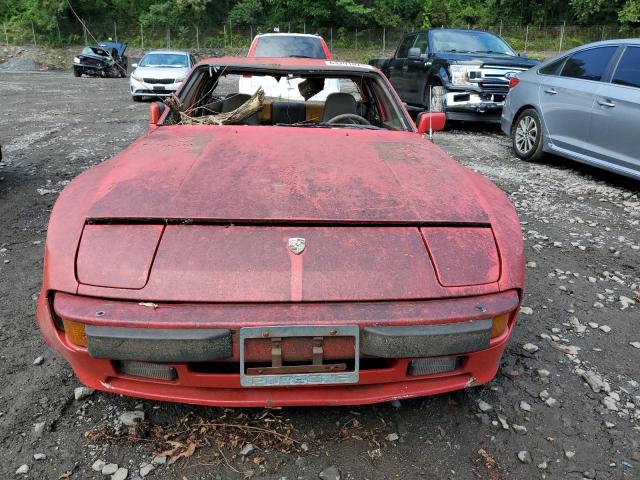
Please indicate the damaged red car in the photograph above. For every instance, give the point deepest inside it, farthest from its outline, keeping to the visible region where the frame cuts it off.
(250, 250)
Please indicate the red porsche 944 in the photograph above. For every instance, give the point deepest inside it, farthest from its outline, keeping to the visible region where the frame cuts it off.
(259, 251)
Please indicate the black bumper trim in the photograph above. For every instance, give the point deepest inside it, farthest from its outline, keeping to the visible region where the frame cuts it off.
(426, 341)
(158, 345)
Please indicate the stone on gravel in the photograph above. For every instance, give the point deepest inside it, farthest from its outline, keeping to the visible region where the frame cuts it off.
(551, 402)
(38, 360)
(330, 473)
(530, 347)
(598, 305)
(526, 310)
(569, 454)
(532, 264)
(131, 417)
(39, 456)
(22, 469)
(524, 456)
(610, 403)
(82, 392)
(593, 325)
(524, 406)
(605, 328)
(542, 466)
(543, 373)
(626, 302)
(484, 406)
(109, 469)
(635, 344)
(595, 381)
(247, 450)
(159, 459)
(503, 422)
(392, 437)
(38, 429)
(120, 474)
(146, 469)
(521, 429)
(98, 465)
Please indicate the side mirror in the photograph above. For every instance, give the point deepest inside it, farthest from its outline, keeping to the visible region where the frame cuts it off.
(156, 109)
(134, 65)
(414, 53)
(431, 121)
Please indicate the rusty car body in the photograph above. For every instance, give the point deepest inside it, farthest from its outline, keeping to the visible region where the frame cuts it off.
(288, 260)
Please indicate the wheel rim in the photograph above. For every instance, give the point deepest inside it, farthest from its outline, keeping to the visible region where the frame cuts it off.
(526, 134)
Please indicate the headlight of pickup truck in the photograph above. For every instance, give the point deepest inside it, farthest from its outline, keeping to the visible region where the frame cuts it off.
(463, 75)
(76, 60)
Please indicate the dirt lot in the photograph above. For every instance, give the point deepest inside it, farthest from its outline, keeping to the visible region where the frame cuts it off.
(582, 241)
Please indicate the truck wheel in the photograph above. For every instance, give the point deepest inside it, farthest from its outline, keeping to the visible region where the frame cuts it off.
(526, 136)
(436, 102)
(77, 73)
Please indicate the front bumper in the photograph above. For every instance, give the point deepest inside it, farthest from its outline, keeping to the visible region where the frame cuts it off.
(474, 106)
(139, 88)
(391, 334)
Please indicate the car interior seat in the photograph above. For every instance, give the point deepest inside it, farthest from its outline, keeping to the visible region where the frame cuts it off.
(339, 103)
(288, 112)
(235, 101)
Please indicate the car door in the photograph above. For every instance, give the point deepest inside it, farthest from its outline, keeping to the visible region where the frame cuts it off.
(398, 66)
(415, 72)
(567, 99)
(616, 115)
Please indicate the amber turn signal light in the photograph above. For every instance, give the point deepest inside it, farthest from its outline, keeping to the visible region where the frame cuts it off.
(499, 325)
(75, 333)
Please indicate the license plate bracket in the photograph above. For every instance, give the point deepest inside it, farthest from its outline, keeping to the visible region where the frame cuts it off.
(299, 379)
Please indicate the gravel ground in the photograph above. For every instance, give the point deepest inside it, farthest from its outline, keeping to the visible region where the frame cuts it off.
(538, 419)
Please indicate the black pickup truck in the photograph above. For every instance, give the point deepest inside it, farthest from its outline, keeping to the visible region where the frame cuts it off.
(464, 73)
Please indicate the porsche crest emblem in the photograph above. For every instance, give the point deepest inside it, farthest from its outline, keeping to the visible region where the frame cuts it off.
(296, 245)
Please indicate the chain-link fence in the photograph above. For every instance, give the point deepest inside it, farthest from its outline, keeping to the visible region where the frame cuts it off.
(540, 41)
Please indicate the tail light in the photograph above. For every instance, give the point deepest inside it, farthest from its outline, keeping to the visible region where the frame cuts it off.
(513, 81)
(246, 76)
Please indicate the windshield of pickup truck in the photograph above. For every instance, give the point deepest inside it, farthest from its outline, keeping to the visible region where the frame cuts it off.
(289, 46)
(457, 41)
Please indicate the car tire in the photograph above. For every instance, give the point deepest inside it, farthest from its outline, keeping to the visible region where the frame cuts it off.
(436, 102)
(527, 136)
(77, 73)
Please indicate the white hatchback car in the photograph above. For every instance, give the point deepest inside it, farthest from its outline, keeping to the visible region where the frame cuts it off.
(159, 73)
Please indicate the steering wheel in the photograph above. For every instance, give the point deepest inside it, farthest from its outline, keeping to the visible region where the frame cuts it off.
(350, 118)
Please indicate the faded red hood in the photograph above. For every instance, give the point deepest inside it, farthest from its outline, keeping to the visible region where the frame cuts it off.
(278, 173)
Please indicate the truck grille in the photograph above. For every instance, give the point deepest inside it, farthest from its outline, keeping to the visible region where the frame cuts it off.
(493, 77)
(159, 81)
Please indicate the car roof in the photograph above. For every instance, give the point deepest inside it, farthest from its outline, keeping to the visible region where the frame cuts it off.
(601, 43)
(289, 63)
(178, 52)
(288, 34)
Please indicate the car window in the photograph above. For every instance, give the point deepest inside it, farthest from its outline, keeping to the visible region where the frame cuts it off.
(588, 64)
(553, 68)
(628, 71)
(468, 41)
(164, 60)
(289, 46)
(422, 42)
(403, 49)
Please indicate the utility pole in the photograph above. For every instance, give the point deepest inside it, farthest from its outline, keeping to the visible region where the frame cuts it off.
(33, 30)
(168, 36)
(141, 37)
(500, 28)
(6, 37)
(561, 36)
(356, 38)
(197, 38)
(84, 31)
(384, 40)
(58, 29)
(526, 38)
(224, 30)
(331, 41)
(115, 31)
(230, 35)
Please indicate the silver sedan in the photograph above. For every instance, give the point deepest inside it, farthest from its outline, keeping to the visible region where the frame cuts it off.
(583, 104)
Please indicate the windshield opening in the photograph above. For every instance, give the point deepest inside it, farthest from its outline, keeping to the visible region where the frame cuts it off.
(293, 99)
(468, 42)
(289, 46)
(164, 60)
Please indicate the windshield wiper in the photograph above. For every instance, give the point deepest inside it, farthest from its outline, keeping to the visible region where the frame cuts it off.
(456, 51)
(491, 51)
(300, 56)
